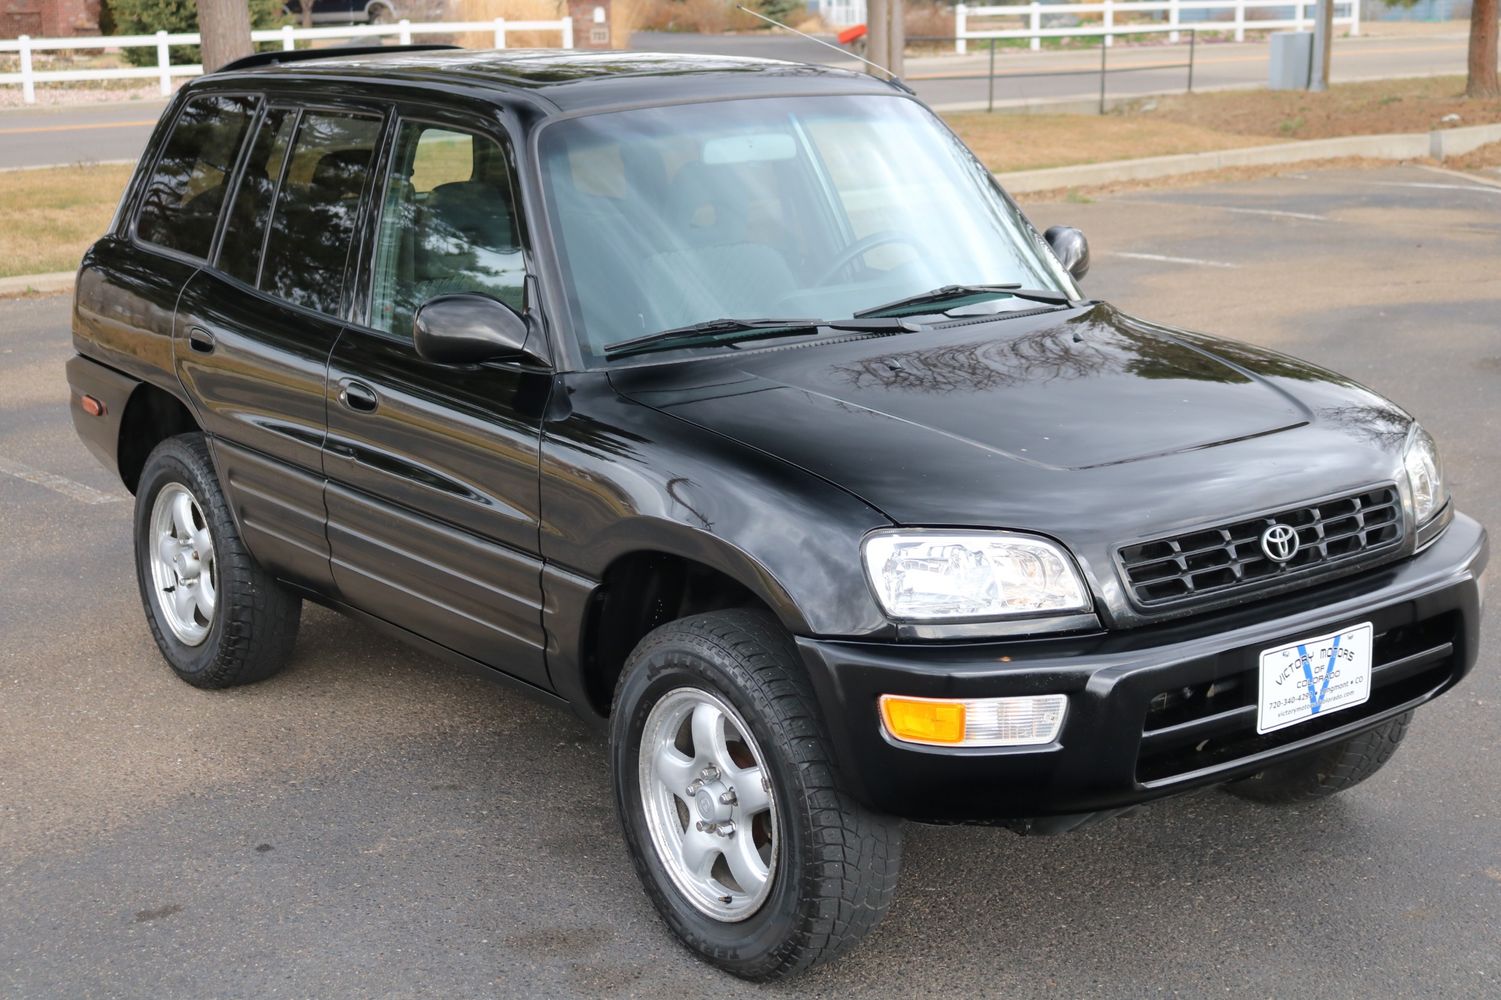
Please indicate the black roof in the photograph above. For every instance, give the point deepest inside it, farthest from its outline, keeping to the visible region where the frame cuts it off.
(571, 80)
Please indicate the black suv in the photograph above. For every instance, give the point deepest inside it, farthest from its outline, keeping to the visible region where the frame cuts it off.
(733, 405)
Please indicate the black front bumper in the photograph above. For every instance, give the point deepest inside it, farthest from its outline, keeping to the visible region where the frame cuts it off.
(1143, 720)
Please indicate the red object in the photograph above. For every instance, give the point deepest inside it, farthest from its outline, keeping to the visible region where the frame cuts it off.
(91, 406)
(850, 34)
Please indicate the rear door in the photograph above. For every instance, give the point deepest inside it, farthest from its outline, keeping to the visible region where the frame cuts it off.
(433, 469)
(254, 331)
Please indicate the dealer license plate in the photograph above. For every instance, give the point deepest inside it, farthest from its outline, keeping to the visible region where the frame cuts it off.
(1312, 677)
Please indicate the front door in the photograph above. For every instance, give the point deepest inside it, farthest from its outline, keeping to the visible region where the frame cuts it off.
(255, 329)
(432, 469)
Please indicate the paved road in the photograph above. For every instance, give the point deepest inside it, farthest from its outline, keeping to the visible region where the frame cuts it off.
(370, 823)
(31, 137)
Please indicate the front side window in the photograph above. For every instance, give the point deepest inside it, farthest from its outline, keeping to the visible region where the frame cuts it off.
(448, 224)
(180, 207)
(313, 222)
(809, 207)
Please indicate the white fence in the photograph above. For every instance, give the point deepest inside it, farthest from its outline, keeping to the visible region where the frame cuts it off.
(1033, 13)
(288, 36)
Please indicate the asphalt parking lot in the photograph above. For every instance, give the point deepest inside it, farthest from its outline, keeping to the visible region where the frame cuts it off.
(370, 823)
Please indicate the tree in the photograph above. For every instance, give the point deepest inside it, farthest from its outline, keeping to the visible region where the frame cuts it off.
(1483, 82)
(225, 28)
(145, 17)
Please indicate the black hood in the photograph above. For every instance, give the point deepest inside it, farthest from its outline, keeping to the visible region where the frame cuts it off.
(1080, 421)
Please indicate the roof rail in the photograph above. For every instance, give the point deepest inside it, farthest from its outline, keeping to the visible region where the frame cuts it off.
(276, 58)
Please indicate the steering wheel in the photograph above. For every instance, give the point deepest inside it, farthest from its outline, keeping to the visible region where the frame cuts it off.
(863, 246)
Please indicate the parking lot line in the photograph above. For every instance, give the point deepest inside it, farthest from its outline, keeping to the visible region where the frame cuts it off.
(55, 483)
(1172, 260)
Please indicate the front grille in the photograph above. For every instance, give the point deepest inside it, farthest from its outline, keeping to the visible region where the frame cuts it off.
(1212, 724)
(1215, 562)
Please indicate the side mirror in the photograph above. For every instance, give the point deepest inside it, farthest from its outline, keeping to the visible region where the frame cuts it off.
(466, 328)
(1072, 249)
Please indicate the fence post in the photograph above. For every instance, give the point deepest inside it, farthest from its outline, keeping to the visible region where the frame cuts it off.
(1034, 21)
(990, 97)
(1109, 23)
(404, 31)
(500, 32)
(1103, 49)
(1193, 37)
(1172, 19)
(567, 31)
(288, 40)
(961, 26)
(28, 82)
(1240, 21)
(1354, 18)
(164, 62)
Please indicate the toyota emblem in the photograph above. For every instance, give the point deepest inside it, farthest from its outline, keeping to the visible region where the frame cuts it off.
(1280, 543)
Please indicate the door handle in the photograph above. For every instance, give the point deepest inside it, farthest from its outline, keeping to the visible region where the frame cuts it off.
(358, 396)
(201, 340)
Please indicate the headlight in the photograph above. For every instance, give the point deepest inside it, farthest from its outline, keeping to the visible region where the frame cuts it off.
(943, 575)
(1424, 474)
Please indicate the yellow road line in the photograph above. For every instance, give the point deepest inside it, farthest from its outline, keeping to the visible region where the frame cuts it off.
(74, 128)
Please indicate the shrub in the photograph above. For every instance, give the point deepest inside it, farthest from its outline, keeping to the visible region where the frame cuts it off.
(146, 17)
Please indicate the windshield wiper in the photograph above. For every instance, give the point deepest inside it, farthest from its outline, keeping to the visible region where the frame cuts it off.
(961, 291)
(734, 331)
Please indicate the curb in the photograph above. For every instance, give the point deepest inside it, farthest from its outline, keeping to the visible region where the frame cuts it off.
(1404, 146)
(37, 284)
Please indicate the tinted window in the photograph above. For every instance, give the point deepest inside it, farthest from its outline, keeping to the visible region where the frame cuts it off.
(181, 205)
(312, 225)
(449, 224)
(245, 234)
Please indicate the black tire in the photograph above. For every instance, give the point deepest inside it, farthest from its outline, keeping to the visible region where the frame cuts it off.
(255, 619)
(838, 861)
(1323, 773)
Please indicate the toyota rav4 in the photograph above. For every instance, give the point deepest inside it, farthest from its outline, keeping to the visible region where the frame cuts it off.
(733, 405)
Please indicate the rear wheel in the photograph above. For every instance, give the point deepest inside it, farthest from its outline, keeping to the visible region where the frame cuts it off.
(217, 616)
(737, 821)
(1323, 773)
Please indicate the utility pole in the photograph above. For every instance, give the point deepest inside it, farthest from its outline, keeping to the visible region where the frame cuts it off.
(886, 34)
(1323, 44)
(224, 26)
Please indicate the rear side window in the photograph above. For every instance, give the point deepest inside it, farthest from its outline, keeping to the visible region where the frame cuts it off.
(180, 207)
(312, 224)
(245, 234)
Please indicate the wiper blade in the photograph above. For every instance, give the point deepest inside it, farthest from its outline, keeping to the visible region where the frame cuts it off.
(733, 331)
(959, 291)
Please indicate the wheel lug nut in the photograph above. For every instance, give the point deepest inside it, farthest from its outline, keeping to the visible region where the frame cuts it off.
(725, 829)
(728, 798)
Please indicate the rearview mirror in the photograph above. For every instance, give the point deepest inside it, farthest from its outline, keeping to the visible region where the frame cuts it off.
(467, 328)
(1072, 249)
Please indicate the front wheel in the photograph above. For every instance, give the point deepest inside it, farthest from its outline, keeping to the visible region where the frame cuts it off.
(737, 821)
(1326, 771)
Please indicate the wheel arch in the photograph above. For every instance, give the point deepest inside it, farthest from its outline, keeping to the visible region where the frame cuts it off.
(151, 416)
(594, 623)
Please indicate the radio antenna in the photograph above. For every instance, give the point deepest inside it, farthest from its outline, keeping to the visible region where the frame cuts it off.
(828, 45)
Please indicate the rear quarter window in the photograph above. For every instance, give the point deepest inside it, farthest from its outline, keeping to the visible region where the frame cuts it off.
(182, 201)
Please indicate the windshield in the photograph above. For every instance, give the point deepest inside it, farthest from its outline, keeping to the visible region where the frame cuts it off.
(793, 207)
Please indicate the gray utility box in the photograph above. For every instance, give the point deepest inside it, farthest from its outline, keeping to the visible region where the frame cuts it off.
(1292, 60)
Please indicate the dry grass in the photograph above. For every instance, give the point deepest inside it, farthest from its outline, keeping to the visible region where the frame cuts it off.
(1371, 108)
(511, 10)
(1033, 142)
(700, 16)
(53, 214)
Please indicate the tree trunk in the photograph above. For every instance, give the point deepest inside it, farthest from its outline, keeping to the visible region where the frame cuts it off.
(225, 27)
(1483, 82)
(307, 13)
(885, 39)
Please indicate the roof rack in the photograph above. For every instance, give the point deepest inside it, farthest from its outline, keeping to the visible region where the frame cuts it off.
(278, 57)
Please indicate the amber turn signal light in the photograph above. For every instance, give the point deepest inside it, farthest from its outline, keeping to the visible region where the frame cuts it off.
(91, 406)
